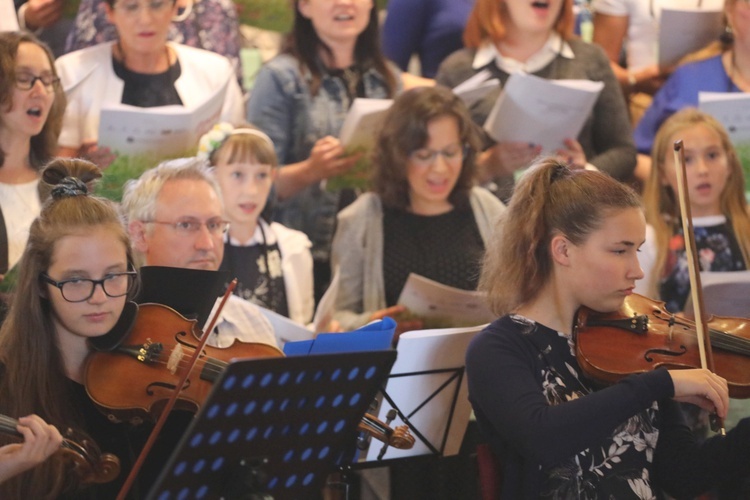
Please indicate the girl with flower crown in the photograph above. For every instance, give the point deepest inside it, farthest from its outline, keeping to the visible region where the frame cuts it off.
(272, 263)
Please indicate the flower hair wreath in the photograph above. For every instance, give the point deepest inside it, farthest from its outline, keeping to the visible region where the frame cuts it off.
(214, 138)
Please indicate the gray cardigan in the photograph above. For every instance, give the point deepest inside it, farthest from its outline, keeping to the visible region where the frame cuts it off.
(357, 253)
(606, 136)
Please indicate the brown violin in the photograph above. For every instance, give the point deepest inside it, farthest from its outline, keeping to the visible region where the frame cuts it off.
(88, 463)
(133, 381)
(642, 335)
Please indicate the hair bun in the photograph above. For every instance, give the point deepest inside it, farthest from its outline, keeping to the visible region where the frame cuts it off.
(69, 187)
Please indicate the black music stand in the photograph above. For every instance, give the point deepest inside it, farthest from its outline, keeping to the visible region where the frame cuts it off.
(274, 428)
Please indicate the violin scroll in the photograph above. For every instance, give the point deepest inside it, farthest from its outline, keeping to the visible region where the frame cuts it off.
(398, 437)
(87, 461)
(80, 451)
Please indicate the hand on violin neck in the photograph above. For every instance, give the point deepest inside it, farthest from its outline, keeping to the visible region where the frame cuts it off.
(40, 440)
(703, 388)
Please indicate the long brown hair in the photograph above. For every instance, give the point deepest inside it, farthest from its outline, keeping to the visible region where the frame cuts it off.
(44, 144)
(305, 45)
(405, 130)
(489, 18)
(550, 199)
(34, 379)
(662, 205)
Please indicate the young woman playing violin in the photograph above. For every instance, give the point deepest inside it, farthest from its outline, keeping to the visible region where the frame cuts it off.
(576, 234)
(74, 279)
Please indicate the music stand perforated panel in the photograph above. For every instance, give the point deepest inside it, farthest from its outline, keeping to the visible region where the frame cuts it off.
(287, 420)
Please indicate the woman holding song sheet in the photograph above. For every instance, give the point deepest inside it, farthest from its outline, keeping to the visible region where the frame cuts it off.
(503, 37)
(300, 99)
(139, 69)
(424, 215)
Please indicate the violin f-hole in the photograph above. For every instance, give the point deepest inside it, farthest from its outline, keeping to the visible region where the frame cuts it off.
(663, 352)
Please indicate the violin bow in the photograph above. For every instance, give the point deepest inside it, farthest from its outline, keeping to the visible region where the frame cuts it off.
(173, 399)
(696, 289)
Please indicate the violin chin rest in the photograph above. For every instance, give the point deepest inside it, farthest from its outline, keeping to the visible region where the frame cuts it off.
(112, 339)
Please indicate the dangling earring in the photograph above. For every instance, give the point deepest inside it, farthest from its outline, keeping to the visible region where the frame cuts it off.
(186, 11)
(727, 37)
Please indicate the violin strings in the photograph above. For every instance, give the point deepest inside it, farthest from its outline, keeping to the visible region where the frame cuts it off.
(719, 338)
(210, 366)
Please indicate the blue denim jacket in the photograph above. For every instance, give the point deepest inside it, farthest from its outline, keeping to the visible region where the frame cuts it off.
(282, 106)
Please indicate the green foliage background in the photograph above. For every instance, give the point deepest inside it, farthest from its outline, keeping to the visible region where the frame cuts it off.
(273, 15)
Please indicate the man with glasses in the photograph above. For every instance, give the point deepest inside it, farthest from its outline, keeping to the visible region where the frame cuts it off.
(175, 217)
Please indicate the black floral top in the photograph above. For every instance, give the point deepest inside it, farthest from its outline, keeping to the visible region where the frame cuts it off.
(559, 436)
(718, 251)
(618, 465)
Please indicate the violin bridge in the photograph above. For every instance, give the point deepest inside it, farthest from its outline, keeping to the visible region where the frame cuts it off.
(175, 358)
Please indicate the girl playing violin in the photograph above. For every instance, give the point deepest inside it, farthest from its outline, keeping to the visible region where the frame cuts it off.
(74, 279)
(716, 189)
(576, 234)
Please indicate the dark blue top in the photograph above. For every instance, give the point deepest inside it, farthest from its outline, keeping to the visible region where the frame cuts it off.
(681, 91)
(556, 433)
(430, 28)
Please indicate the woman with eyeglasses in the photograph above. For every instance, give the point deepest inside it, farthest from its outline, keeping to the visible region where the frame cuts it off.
(424, 214)
(139, 69)
(31, 110)
(74, 279)
(206, 24)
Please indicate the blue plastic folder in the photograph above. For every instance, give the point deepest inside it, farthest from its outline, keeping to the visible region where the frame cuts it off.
(375, 336)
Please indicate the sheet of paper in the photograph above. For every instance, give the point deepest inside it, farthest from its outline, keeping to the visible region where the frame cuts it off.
(361, 124)
(732, 109)
(8, 17)
(409, 386)
(476, 87)
(442, 306)
(161, 131)
(285, 329)
(540, 111)
(682, 31)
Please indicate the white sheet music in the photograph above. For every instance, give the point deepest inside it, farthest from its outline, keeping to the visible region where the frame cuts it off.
(475, 88)
(362, 123)
(8, 19)
(732, 109)
(161, 131)
(443, 306)
(427, 350)
(682, 31)
(541, 111)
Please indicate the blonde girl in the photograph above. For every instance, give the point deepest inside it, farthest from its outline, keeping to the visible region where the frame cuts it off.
(718, 205)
